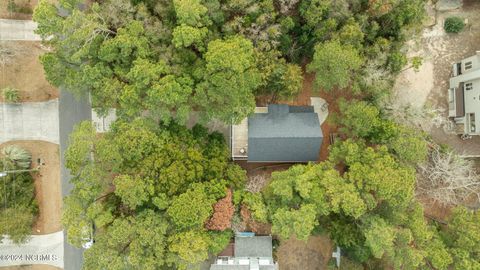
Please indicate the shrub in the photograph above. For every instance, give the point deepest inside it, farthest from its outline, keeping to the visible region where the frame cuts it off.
(11, 6)
(15, 157)
(11, 95)
(453, 24)
(396, 61)
(23, 7)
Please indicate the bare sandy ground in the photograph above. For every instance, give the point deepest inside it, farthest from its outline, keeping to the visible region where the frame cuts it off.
(25, 72)
(313, 254)
(47, 184)
(427, 89)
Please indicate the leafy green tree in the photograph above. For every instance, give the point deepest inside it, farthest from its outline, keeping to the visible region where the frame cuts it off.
(279, 80)
(396, 61)
(185, 36)
(139, 240)
(379, 237)
(292, 193)
(369, 210)
(254, 202)
(298, 223)
(335, 65)
(190, 247)
(351, 34)
(230, 72)
(405, 14)
(191, 12)
(359, 119)
(148, 189)
(185, 216)
(409, 145)
(314, 11)
(462, 237)
(219, 240)
(17, 194)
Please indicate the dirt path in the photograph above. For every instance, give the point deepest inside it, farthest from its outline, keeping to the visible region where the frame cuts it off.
(47, 184)
(24, 72)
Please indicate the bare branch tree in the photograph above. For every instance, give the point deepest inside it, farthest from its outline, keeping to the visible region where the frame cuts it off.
(256, 183)
(286, 6)
(424, 118)
(448, 178)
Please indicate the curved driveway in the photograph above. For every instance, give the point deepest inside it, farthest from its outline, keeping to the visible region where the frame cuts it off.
(29, 121)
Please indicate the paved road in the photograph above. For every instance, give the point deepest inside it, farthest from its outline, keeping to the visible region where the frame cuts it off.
(30, 121)
(71, 112)
(18, 30)
(40, 249)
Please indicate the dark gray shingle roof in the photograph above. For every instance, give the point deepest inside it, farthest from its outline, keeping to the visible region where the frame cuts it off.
(256, 246)
(285, 133)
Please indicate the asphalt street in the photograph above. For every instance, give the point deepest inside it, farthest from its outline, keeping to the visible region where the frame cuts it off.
(72, 111)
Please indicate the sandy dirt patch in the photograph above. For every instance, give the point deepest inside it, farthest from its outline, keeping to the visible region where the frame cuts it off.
(314, 254)
(427, 89)
(24, 72)
(413, 87)
(47, 184)
(24, 9)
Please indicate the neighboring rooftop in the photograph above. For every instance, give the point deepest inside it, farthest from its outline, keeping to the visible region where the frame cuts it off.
(464, 95)
(250, 253)
(256, 246)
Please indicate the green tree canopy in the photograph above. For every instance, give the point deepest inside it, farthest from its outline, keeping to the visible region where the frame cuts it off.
(334, 64)
(462, 237)
(362, 120)
(230, 71)
(168, 58)
(368, 210)
(17, 194)
(146, 187)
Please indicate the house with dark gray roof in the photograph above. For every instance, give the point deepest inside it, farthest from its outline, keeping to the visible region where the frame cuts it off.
(278, 133)
(250, 253)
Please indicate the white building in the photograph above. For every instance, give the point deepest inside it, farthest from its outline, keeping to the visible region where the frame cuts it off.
(102, 123)
(464, 95)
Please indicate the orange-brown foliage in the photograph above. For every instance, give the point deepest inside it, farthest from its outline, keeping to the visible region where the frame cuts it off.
(222, 214)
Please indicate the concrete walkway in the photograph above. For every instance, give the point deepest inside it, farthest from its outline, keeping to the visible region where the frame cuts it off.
(29, 121)
(320, 106)
(18, 30)
(40, 249)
